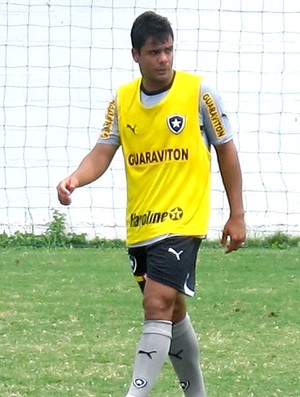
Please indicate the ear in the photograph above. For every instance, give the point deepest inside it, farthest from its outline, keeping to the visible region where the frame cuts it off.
(135, 54)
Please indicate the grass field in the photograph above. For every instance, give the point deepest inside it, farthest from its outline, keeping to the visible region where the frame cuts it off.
(70, 320)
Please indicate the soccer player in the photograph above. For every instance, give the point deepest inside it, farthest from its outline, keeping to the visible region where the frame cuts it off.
(166, 122)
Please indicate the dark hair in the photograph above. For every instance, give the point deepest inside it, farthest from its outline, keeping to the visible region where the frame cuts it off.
(150, 24)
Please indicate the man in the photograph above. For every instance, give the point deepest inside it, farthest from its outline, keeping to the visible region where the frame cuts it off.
(165, 121)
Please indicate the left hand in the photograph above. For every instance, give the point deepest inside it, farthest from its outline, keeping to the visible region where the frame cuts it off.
(235, 231)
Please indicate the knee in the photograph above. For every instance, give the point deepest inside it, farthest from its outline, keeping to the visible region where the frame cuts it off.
(179, 311)
(158, 307)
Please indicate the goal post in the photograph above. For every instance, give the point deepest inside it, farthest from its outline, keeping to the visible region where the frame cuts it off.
(61, 62)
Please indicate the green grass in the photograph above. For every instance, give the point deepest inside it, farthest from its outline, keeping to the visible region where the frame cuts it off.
(70, 320)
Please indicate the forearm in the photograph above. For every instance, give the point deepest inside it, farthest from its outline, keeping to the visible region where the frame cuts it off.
(232, 178)
(93, 165)
(87, 172)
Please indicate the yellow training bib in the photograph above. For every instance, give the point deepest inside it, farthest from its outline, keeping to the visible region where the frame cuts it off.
(166, 160)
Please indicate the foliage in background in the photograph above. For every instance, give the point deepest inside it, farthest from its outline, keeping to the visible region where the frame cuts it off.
(56, 235)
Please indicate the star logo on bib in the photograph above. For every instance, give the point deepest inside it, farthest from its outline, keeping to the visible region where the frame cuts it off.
(176, 123)
(176, 214)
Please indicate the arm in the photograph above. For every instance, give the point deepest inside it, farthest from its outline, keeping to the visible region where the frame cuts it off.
(229, 165)
(91, 168)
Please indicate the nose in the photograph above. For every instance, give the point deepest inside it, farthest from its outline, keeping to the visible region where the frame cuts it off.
(163, 57)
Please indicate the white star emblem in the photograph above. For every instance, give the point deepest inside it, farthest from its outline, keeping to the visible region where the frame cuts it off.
(176, 123)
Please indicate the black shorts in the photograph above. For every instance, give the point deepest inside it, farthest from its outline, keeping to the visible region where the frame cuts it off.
(171, 261)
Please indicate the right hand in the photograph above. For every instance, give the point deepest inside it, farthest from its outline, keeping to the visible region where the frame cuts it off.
(65, 188)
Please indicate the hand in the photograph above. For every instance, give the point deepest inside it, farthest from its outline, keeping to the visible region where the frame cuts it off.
(235, 231)
(65, 188)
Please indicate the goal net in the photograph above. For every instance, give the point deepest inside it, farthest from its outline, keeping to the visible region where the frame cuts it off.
(60, 63)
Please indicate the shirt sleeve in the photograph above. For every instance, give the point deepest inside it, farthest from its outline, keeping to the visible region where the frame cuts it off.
(214, 122)
(110, 131)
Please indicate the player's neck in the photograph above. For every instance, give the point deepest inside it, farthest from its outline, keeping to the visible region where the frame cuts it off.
(157, 90)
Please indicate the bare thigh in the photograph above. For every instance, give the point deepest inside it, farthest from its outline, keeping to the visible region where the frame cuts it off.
(162, 302)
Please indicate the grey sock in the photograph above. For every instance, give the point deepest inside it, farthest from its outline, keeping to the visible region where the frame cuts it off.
(184, 355)
(152, 352)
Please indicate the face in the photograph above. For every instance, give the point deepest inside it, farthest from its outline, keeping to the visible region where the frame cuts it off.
(155, 61)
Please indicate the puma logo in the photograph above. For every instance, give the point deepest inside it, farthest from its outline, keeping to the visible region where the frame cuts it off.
(132, 128)
(148, 354)
(177, 254)
(177, 355)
